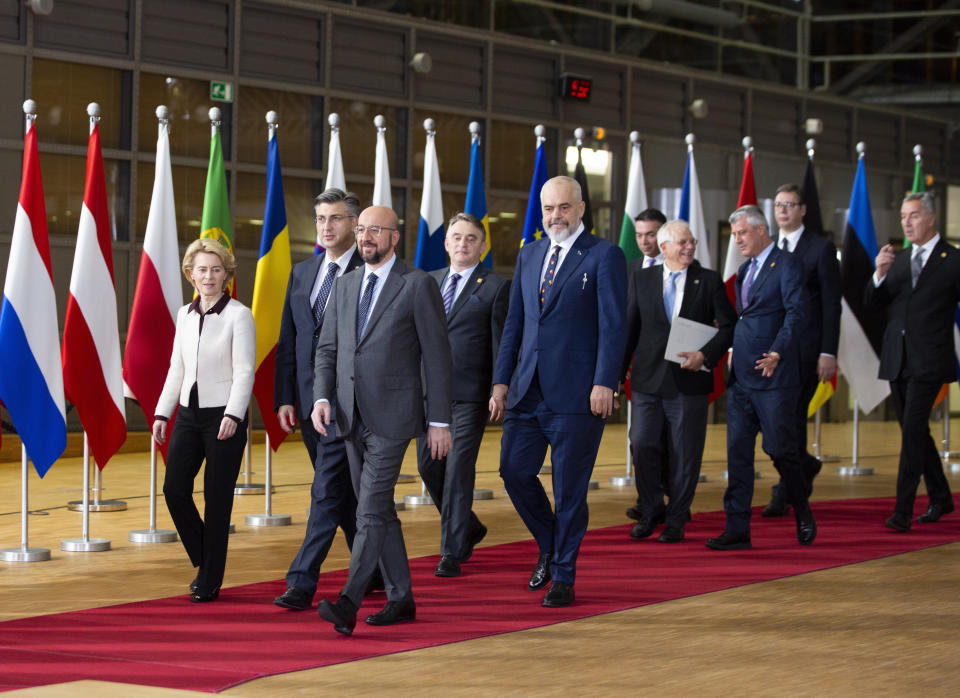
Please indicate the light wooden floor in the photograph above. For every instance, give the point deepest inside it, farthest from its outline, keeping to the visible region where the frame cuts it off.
(884, 627)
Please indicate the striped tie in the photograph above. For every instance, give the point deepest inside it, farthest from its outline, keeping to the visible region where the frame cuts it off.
(324, 293)
(450, 292)
(364, 308)
(547, 283)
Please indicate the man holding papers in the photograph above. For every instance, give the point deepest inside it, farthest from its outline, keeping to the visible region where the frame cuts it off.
(673, 390)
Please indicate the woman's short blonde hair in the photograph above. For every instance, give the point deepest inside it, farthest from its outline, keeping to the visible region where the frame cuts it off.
(210, 245)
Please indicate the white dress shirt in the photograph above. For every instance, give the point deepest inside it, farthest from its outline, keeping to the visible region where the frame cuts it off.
(461, 282)
(340, 261)
(565, 247)
(652, 261)
(927, 248)
(382, 274)
(792, 239)
(680, 282)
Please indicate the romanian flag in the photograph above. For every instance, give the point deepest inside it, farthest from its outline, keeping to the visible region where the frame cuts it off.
(269, 288)
(476, 203)
(215, 221)
(533, 222)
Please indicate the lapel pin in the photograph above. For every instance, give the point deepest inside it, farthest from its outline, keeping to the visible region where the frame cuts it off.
(479, 281)
(696, 281)
(943, 254)
(773, 264)
(584, 281)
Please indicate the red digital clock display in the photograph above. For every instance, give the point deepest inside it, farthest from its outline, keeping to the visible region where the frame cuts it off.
(575, 87)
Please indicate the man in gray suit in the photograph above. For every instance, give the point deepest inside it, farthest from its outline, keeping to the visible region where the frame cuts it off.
(382, 323)
(475, 300)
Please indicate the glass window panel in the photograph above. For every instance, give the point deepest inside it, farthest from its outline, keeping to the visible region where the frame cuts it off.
(189, 103)
(63, 181)
(505, 215)
(298, 195)
(358, 136)
(300, 133)
(453, 146)
(514, 149)
(62, 92)
(188, 187)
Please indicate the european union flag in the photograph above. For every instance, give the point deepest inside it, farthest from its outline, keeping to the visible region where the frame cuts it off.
(533, 223)
(476, 203)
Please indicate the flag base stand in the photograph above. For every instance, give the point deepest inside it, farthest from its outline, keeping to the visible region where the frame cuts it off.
(25, 554)
(702, 478)
(482, 494)
(399, 505)
(85, 545)
(404, 478)
(546, 470)
(829, 459)
(249, 488)
(593, 485)
(853, 470)
(157, 535)
(268, 519)
(102, 505)
(621, 481)
(726, 475)
(418, 500)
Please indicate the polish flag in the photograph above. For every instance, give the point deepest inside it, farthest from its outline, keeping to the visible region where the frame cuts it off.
(159, 294)
(91, 341)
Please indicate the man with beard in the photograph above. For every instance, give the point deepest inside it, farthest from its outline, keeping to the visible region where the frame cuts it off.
(382, 323)
(555, 378)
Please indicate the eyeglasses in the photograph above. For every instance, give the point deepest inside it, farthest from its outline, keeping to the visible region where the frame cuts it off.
(334, 220)
(374, 230)
(786, 205)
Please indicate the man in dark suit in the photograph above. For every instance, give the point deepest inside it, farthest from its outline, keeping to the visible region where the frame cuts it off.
(647, 224)
(555, 376)
(821, 331)
(475, 300)
(764, 382)
(666, 393)
(383, 322)
(920, 288)
(332, 501)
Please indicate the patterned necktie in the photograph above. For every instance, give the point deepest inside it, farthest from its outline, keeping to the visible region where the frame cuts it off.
(916, 265)
(364, 308)
(547, 283)
(648, 262)
(670, 295)
(747, 283)
(450, 292)
(321, 303)
(785, 245)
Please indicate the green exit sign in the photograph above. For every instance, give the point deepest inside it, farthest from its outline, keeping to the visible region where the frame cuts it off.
(221, 91)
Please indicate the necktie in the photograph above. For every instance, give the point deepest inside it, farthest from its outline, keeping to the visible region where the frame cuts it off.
(916, 265)
(324, 293)
(648, 262)
(450, 292)
(364, 308)
(747, 283)
(785, 245)
(670, 295)
(547, 283)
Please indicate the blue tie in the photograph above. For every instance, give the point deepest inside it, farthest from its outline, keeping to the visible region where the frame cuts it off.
(364, 308)
(747, 283)
(670, 295)
(324, 293)
(450, 292)
(547, 283)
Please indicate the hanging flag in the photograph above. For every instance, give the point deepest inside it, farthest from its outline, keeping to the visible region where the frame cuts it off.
(430, 253)
(636, 201)
(269, 289)
(533, 221)
(158, 296)
(381, 168)
(861, 330)
(335, 177)
(215, 220)
(691, 208)
(748, 197)
(476, 203)
(813, 224)
(92, 370)
(580, 175)
(31, 381)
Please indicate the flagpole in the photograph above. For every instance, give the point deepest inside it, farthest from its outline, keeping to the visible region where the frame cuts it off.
(268, 518)
(85, 544)
(947, 453)
(25, 553)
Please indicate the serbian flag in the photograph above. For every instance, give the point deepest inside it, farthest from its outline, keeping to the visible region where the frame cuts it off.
(153, 320)
(476, 203)
(861, 329)
(430, 253)
(31, 381)
(92, 371)
(636, 201)
(215, 219)
(533, 221)
(691, 208)
(580, 174)
(269, 288)
(381, 167)
(335, 177)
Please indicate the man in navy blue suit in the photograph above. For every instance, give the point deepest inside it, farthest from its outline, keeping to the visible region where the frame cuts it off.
(332, 500)
(821, 329)
(555, 377)
(764, 383)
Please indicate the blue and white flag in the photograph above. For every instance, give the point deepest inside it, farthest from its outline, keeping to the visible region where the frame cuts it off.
(431, 253)
(691, 209)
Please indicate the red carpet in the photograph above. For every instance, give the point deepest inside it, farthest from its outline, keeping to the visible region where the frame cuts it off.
(210, 647)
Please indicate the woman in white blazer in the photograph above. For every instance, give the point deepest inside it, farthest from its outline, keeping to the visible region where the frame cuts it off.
(211, 378)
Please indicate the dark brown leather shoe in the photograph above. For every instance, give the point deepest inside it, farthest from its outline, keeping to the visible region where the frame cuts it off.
(394, 612)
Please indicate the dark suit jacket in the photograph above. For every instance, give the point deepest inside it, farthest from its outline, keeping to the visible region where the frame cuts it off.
(577, 340)
(474, 326)
(293, 372)
(772, 321)
(704, 300)
(380, 377)
(918, 339)
(821, 330)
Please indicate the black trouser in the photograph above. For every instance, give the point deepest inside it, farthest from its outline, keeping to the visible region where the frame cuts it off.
(194, 440)
(811, 465)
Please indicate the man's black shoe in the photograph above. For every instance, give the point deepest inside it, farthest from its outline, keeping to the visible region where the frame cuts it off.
(447, 567)
(729, 541)
(541, 573)
(559, 595)
(343, 614)
(295, 599)
(394, 612)
(476, 535)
